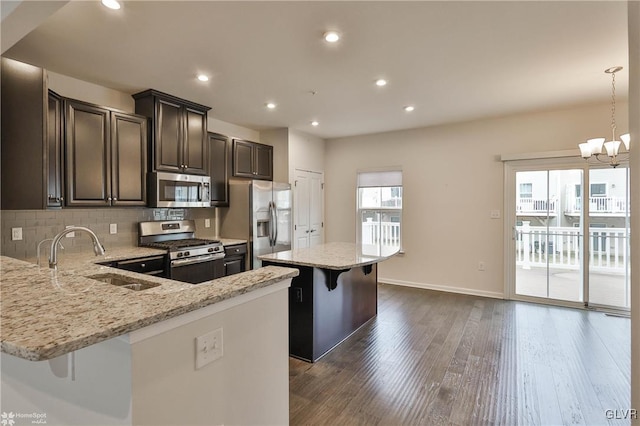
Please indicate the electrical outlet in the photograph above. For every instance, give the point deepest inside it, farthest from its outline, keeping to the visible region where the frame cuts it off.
(481, 266)
(209, 347)
(207, 223)
(16, 234)
(495, 214)
(70, 234)
(113, 228)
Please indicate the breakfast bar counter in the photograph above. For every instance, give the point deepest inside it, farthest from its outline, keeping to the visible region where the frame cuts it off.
(77, 350)
(333, 296)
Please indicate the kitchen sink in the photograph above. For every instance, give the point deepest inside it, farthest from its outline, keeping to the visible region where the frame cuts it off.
(124, 281)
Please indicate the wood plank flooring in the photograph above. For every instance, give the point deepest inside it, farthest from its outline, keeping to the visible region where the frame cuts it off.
(437, 358)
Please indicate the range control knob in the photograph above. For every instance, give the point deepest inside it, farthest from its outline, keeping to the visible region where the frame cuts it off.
(179, 254)
(211, 250)
(186, 253)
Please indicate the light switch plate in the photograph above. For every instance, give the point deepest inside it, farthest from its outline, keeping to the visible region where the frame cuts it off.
(209, 347)
(207, 223)
(16, 234)
(113, 228)
(70, 234)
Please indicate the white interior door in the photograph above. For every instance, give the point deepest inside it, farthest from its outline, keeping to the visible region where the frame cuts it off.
(308, 190)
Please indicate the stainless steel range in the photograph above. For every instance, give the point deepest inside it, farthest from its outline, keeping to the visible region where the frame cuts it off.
(192, 260)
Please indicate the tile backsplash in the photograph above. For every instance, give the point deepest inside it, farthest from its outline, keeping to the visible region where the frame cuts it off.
(38, 225)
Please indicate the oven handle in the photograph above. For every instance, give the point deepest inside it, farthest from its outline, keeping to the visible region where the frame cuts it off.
(197, 259)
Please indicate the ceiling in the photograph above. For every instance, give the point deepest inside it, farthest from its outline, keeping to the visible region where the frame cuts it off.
(454, 61)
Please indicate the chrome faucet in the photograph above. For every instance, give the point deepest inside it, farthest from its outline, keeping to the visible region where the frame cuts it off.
(40, 244)
(98, 249)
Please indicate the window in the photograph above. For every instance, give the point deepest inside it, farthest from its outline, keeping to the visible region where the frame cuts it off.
(380, 211)
(598, 189)
(526, 190)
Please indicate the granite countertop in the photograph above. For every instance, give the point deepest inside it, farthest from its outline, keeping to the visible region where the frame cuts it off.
(47, 313)
(336, 256)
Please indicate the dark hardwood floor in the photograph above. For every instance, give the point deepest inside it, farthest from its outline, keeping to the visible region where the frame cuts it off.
(439, 358)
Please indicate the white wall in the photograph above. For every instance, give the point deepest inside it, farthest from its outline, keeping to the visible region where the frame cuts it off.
(306, 152)
(232, 130)
(88, 92)
(634, 120)
(453, 178)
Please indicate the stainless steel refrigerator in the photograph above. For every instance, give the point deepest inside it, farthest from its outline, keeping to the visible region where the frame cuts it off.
(260, 212)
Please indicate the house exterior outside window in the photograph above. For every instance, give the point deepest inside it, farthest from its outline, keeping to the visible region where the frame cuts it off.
(379, 211)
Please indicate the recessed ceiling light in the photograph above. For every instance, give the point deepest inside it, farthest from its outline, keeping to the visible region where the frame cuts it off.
(331, 36)
(314, 123)
(270, 105)
(409, 108)
(203, 77)
(381, 82)
(111, 4)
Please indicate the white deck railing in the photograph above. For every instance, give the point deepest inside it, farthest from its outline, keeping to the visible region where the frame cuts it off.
(560, 247)
(598, 205)
(381, 233)
(535, 207)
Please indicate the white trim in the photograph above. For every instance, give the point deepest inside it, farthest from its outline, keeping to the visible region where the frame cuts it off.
(175, 322)
(444, 288)
(541, 155)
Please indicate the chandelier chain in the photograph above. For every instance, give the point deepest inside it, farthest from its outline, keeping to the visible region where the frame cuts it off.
(613, 105)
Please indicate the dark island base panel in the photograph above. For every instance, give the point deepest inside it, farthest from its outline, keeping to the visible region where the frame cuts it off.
(326, 306)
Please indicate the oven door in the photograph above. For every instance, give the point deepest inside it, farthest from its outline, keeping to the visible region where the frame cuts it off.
(196, 270)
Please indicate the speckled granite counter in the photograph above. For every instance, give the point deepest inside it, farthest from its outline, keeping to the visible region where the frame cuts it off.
(335, 256)
(47, 313)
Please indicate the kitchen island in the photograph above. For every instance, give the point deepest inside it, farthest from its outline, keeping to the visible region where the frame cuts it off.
(78, 350)
(334, 294)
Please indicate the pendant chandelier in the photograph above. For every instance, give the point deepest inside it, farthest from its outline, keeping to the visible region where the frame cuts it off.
(593, 147)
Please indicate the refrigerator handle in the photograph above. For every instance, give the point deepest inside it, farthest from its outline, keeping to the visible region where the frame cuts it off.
(271, 224)
(275, 224)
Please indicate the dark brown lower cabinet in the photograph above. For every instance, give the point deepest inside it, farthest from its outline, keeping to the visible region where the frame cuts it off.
(106, 156)
(326, 306)
(235, 259)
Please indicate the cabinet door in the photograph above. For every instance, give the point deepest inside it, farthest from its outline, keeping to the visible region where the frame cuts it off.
(219, 169)
(54, 151)
(233, 265)
(243, 159)
(87, 155)
(169, 133)
(195, 142)
(128, 159)
(263, 162)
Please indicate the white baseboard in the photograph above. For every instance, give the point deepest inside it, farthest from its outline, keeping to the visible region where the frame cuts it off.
(449, 289)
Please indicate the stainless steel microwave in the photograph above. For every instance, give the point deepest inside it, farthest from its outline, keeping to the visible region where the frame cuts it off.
(178, 190)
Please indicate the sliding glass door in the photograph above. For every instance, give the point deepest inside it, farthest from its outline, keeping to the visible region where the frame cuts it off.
(569, 236)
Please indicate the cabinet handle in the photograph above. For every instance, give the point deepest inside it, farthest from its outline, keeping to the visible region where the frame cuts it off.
(108, 198)
(61, 198)
(115, 199)
(143, 265)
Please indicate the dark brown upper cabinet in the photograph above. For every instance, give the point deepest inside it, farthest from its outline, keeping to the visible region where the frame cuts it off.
(218, 154)
(178, 132)
(106, 156)
(31, 139)
(252, 160)
(55, 198)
